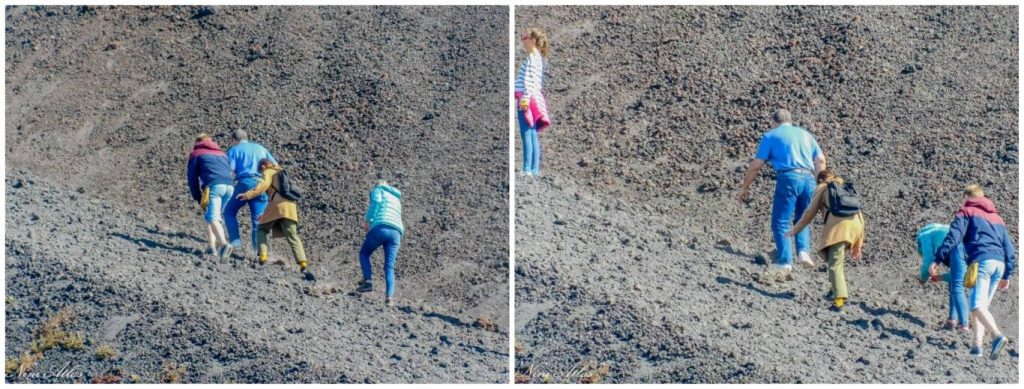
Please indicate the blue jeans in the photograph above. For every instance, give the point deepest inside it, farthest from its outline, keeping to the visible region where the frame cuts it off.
(378, 236)
(793, 192)
(531, 146)
(957, 293)
(256, 207)
(990, 271)
(220, 195)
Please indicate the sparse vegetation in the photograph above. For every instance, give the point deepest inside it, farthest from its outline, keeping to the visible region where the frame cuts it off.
(520, 348)
(592, 373)
(10, 366)
(486, 324)
(27, 362)
(9, 301)
(105, 352)
(110, 377)
(53, 333)
(173, 372)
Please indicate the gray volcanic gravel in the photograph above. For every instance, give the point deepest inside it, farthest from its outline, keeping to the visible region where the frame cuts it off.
(634, 261)
(103, 104)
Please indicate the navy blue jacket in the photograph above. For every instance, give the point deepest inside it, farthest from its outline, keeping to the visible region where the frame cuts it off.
(983, 234)
(207, 165)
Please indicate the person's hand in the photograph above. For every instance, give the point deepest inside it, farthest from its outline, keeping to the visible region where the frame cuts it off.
(791, 233)
(1003, 285)
(933, 271)
(742, 196)
(240, 197)
(524, 104)
(857, 252)
(366, 226)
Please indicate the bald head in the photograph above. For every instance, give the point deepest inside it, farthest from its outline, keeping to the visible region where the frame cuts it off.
(782, 116)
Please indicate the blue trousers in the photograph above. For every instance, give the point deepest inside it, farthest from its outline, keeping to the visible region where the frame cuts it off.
(957, 296)
(793, 191)
(379, 236)
(531, 146)
(256, 207)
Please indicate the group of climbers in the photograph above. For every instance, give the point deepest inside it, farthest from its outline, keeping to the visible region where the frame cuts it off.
(248, 175)
(976, 246)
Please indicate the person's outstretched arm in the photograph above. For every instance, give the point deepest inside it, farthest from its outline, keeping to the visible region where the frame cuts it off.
(193, 178)
(752, 170)
(264, 184)
(957, 229)
(1011, 257)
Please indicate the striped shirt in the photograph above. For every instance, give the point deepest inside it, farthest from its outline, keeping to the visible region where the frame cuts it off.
(530, 78)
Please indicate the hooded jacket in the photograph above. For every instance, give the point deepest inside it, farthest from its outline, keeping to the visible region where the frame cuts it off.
(207, 166)
(385, 208)
(983, 234)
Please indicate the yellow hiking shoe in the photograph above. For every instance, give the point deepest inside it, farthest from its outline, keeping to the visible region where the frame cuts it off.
(302, 265)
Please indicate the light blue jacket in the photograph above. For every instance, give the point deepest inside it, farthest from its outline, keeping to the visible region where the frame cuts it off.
(929, 238)
(385, 208)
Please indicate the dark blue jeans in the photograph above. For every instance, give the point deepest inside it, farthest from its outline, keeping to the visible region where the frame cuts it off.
(793, 191)
(256, 207)
(379, 236)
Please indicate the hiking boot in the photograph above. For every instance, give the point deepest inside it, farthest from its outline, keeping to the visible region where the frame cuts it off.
(976, 351)
(783, 268)
(964, 329)
(225, 253)
(302, 266)
(389, 302)
(997, 346)
(805, 260)
(838, 305)
(365, 286)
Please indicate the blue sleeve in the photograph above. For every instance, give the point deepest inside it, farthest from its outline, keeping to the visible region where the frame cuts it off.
(193, 178)
(1011, 254)
(955, 236)
(231, 160)
(763, 149)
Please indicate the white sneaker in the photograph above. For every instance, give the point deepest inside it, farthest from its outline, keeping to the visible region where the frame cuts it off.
(784, 268)
(805, 259)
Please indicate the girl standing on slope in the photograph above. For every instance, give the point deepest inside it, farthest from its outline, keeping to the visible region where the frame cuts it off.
(533, 111)
(840, 233)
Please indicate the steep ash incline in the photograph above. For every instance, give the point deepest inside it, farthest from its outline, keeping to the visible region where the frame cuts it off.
(633, 252)
(102, 106)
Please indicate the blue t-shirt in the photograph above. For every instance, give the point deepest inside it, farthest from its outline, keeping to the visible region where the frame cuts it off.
(245, 159)
(788, 147)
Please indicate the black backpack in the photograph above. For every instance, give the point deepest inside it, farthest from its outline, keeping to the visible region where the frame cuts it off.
(842, 200)
(288, 189)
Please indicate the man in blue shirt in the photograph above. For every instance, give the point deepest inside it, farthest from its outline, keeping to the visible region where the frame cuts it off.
(796, 158)
(245, 157)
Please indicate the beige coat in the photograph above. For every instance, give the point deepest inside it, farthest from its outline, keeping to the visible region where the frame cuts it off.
(849, 229)
(279, 207)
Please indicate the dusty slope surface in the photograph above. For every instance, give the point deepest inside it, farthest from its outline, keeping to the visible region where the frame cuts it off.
(102, 107)
(631, 250)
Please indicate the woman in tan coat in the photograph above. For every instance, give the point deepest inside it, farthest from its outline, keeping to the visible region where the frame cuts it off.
(280, 218)
(839, 235)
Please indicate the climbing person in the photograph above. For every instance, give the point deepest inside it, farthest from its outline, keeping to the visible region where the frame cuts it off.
(245, 157)
(843, 230)
(383, 225)
(990, 255)
(209, 181)
(929, 238)
(532, 107)
(794, 154)
(281, 217)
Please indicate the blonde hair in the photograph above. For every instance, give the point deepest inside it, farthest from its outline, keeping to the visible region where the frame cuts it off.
(974, 190)
(201, 137)
(827, 175)
(540, 39)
